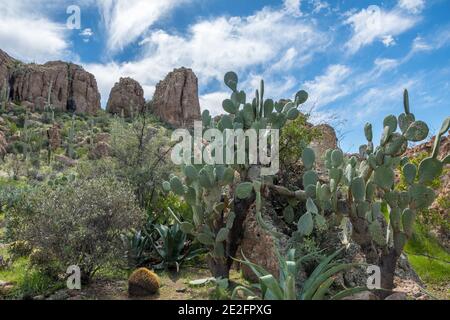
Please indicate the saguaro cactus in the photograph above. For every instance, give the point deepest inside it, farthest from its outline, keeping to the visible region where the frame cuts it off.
(4, 96)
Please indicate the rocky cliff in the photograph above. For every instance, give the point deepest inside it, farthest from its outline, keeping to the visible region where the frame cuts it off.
(176, 98)
(68, 85)
(126, 98)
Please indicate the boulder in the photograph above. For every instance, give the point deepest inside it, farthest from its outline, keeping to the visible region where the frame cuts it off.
(397, 296)
(100, 150)
(126, 98)
(66, 160)
(72, 88)
(176, 99)
(143, 282)
(258, 246)
(326, 140)
(365, 295)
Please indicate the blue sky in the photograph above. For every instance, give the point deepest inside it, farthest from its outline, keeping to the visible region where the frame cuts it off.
(353, 57)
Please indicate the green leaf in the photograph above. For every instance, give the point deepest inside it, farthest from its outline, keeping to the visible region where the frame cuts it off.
(305, 224)
(358, 188)
(410, 172)
(405, 120)
(368, 131)
(244, 190)
(421, 196)
(222, 235)
(310, 178)
(337, 157)
(205, 239)
(187, 227)
(391, 122)
(301, 97)
(417, 131)
(191, 172)
(229, 106)
(384, 177)
(308, 158)
(311, 206)
(288, 214)
(177, 186)
(429, 169)
(231, 80)
(445, 126)
(166, 186)
(377, 233)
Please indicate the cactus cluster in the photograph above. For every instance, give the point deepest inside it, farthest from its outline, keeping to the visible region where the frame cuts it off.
(212, 190)
(371, 181)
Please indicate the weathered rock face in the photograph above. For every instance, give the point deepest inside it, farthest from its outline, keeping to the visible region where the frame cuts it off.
(320, 145)
(258, 246)
(54, 136)
(126, 98)
(72, 88)
(176, 98)
(3, 145)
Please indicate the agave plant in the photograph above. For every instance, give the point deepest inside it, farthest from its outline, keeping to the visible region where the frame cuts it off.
(316, 287)
(136, 246)
(173, 246)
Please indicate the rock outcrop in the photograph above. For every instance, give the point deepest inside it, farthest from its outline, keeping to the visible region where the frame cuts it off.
(176, 99)
(126, 98)
(72, 88)
(54, 136)
(6, 64)
(326, 140)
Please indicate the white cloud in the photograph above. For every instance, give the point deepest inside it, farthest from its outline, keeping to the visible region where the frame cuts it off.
(388, 40)
(87, 33)
(385, 64)
(374, 23)
(413, 6)
(330, 86)
(25, 32)
(293, 7)
(213, 102)
(319, 5)
(126, 20)
(213, 47)
(419, 44)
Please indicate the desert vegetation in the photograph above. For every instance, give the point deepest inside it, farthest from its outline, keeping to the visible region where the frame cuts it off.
(98, 190)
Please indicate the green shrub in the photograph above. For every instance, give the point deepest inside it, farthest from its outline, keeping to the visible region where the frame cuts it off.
(80, 223)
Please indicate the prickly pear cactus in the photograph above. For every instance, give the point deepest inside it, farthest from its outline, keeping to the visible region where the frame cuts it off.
(370, 181)
(216, 191)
